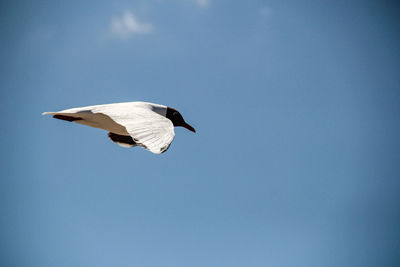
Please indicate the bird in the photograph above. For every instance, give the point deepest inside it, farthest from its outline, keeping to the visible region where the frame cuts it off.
(130, 124)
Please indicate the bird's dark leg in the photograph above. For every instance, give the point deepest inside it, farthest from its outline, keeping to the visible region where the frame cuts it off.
(124, 139)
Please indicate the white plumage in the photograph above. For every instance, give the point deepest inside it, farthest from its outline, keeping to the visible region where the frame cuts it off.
(146, 123)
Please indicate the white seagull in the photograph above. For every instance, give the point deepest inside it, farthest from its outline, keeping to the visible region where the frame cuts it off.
(130, 124)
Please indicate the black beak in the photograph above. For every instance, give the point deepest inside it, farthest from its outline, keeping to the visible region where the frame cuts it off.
(190, 128)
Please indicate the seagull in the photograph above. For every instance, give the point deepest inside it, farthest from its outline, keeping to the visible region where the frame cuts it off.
(130, 124)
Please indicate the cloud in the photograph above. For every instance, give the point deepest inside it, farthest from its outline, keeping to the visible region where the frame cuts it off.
(202, 3)
(127, 25)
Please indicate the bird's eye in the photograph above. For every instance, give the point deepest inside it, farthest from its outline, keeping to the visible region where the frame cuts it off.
(175, 113)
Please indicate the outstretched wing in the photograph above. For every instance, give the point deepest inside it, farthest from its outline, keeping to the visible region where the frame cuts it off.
(147, 127)
(154, 133)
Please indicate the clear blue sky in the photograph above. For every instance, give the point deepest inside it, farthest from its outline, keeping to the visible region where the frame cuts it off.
(296, 159)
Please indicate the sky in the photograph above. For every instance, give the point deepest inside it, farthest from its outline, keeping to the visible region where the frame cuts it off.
(296, 157)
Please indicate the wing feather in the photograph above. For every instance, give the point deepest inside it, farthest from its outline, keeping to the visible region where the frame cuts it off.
(148, 128)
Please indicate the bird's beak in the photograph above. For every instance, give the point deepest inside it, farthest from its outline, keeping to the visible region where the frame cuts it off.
(190, 128)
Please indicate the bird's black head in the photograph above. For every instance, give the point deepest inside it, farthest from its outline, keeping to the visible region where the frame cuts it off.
(177, 119)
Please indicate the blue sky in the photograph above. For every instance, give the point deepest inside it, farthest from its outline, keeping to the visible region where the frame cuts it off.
(296, 157)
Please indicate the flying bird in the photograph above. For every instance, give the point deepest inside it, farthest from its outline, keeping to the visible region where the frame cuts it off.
(130, 124)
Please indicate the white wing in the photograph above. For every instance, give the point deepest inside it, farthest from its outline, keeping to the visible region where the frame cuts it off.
(156, 135)
(142, 121)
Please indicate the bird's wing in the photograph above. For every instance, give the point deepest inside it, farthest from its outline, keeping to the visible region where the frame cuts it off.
(155, 133)
(147, 128)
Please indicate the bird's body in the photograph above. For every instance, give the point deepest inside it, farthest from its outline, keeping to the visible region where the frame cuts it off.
(129, 124)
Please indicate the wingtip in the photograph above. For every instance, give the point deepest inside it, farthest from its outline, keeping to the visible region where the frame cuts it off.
(47, 113)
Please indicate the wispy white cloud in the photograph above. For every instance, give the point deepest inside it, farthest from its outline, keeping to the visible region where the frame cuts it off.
(128, 25)
(202, 3)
